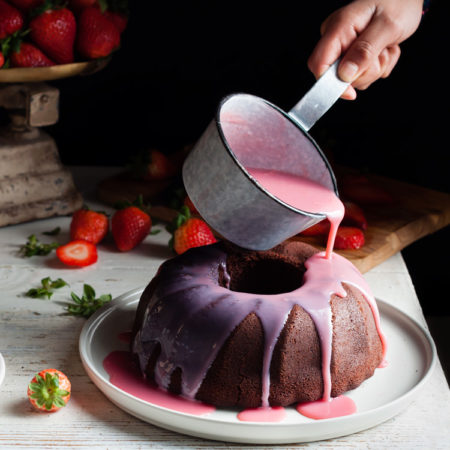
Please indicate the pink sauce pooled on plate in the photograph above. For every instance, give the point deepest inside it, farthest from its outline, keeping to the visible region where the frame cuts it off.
(125, 375)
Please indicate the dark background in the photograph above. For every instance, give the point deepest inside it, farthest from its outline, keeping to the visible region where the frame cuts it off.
(176, 62)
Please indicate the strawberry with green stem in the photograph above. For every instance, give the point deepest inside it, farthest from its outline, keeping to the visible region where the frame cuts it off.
(91, 226)
(189, 232)
(53, 29)
(129, 227)
(11, 20)
(49, 390)
(97, 36)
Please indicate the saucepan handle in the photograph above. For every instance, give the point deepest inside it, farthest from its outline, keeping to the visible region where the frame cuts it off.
(319, 99)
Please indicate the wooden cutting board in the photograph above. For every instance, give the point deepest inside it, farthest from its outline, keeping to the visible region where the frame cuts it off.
(416, 213)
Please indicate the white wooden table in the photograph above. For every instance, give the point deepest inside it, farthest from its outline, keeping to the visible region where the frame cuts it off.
(35, 334)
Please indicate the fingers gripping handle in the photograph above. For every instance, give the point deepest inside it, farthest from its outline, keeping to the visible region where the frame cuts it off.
(319, 99)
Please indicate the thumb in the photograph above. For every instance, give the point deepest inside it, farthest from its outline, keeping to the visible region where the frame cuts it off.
(365, 49)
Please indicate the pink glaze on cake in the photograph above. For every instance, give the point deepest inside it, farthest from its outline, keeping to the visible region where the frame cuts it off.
(303, 194)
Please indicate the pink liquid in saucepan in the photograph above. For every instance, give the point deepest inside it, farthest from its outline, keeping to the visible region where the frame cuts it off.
(324, 276)
(303, 194)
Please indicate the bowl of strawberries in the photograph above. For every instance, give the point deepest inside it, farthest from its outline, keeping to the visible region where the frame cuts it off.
(50, 39)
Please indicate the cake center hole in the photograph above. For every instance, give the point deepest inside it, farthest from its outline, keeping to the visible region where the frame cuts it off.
(266, 277)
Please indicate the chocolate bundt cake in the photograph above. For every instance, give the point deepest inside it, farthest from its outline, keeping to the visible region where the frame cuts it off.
(242, 328)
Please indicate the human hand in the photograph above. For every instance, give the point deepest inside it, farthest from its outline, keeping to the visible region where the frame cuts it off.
(366, 34)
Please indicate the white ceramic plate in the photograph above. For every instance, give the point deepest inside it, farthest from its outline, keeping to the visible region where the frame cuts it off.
(2, 369)
(411, 357)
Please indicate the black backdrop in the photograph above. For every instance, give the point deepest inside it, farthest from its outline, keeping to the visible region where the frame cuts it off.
(177, 61)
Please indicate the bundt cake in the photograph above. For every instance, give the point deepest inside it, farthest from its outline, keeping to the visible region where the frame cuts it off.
(232, 327)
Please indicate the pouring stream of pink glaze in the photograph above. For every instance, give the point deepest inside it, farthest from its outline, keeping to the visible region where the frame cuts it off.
(303, 194)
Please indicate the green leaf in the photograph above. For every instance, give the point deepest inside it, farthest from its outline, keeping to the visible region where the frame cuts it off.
(88, 292)
(87, 304)
(154, 231)
(48, 285)
(34, 247)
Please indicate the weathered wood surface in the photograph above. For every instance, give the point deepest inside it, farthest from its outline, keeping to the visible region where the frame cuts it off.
(35, 334)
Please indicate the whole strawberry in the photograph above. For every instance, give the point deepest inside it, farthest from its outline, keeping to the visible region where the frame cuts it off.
(91, 226)
(97, 36)
(49, 390)
(2, 60)
(349, 238)
(11, 19)
(189, 232)
(119, 20)
(129, 227)
(53, 30)
(27, 55)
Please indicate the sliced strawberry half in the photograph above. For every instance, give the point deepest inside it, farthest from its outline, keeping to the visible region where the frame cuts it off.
(349, 238)
(77, 253)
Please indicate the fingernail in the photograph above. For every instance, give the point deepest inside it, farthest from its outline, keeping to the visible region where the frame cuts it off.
(347, 71)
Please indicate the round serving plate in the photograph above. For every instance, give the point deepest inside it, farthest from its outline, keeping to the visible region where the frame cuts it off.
(35, 74)
(411, 357)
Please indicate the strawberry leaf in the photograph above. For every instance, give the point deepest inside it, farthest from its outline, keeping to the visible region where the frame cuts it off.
(34, 247)
(48, 285)
(87, 304)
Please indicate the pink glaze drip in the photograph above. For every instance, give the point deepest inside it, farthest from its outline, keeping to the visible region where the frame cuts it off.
(327, 409)
(268, 414)
(125, 375)
(303, 194)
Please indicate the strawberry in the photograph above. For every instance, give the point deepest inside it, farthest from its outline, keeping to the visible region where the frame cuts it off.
(53, 31)
(363, 191)
(2, 60)
(91, 226)
(319, 229)
(152, 165)
(129, 227)
(188, 202)
(189, 232)
(26, 5)
(97, 37)
(49, 390)
(77, 253)
(349, 238)
(159, 166)
(11, 19)
(354, 216)
(28, 55)
(119, 20)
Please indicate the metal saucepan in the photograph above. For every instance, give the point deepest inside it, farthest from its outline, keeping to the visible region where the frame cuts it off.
(249, 131)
